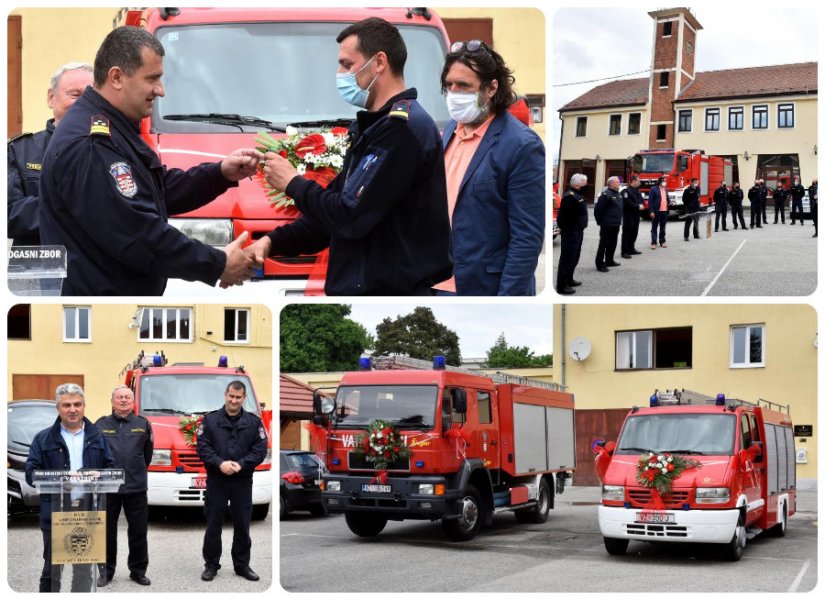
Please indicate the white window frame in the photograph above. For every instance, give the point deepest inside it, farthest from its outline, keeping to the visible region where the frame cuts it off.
(747, 328)
(76, 323)
(610, 124)
(633, 351)
(679, 120)
(793, 114)
(639, 132)
(718, 112)
(165, 338)
(236, 341)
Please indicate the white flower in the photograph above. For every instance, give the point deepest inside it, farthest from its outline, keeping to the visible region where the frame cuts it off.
(329, 138)
(670, 458)
(336, 162)
(290, 131)
(301, 169)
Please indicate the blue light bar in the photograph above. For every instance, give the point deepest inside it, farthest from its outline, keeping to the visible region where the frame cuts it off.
(223, 362)
(720, 399)
(654, 401)
(365, 364)
(157, 360)
(439, 363)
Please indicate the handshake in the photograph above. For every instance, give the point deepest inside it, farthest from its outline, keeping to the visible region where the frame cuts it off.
(241, 263)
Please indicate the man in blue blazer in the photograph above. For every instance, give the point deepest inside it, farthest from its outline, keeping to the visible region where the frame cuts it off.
(495, 178)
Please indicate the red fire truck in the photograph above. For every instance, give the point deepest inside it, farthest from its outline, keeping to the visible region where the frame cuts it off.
(165, 393)
(232, 72)
(680, 166)
(478, 445)
(744, 483)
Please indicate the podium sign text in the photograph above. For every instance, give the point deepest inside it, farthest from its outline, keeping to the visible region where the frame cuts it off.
(78, 537)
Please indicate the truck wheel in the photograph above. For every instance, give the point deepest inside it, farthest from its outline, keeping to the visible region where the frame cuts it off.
(260, 512)
(781, 527)
(616, 546)
(538, 513)
(733, 550)
(468, 523)
(364, 524)
(284, 508)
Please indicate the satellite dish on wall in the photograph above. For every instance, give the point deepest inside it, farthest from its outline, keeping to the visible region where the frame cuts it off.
(580, 349)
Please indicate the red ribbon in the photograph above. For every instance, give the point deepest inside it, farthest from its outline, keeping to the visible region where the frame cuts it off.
(655, 502)
(458, 433)
(604, 454)
(381, 477)
(317, 436)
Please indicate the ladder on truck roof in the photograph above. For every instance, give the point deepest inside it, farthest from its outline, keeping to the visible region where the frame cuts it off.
(688, 397)
(500, 378)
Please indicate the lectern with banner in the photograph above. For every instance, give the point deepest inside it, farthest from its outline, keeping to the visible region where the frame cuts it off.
(78, 533)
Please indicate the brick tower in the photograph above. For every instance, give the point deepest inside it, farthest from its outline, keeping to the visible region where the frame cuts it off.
(672, 68)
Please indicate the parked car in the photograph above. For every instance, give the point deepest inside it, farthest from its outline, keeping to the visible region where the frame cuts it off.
(301, 473)
(26, 418)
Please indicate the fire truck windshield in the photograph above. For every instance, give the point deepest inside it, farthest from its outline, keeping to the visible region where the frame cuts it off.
(405, 406)
(184, 394)
(689, 434)
(653, 163)
(285, 74)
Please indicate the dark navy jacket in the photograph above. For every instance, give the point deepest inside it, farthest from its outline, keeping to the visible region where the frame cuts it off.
(132, 443)
(654, 199)
(25, 162)
(49, 452)
(690, 199)
(107, 198)
(498, 220)
(572, 216)
(384, 217)
(221, 439)
(720, 197)
(779, 196)
(631, 200)
(735, 197)
(797, 192)
(608, 210)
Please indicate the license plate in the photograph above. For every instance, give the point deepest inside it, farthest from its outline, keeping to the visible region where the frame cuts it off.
(656, 518)
(199, 482)
(376, 488)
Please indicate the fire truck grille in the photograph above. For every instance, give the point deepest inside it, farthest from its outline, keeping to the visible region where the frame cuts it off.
(643, 497)
(190, 461)
(358, 462)
(657, 531)
(389, 503)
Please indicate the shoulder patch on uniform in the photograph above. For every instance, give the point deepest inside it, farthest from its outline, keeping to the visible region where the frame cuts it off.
(21, 136)
(100, 125)
(401, 110)
(122, 174)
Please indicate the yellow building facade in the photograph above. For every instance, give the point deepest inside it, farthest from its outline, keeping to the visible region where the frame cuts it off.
(96, 342)
(696, 347)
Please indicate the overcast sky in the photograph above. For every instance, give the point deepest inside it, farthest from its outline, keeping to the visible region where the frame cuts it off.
(477, 326)
(595, 43)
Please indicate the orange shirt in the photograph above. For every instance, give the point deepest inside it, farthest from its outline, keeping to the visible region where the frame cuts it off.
(663, 204)
(457, 157)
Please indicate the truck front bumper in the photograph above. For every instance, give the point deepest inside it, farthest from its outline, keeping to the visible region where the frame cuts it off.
(688, 526)
(173, 489)
(402, 501)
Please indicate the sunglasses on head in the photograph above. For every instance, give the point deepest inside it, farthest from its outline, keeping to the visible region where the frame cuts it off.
(471, 46)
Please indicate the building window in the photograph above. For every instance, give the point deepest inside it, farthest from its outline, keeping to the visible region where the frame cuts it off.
(77, 324)
(166, 324)
(736, 118)
(485, 410)
(760, 117)
(236, 325)
(19, 322)
(581, 126)
(657, 348)
(634, 123)
(615, 124)
(747, 346)
(667, 29)
(664, 79)
(661, 132)
(712, 119)
(785, 116)
(689, 47)
(685, 121)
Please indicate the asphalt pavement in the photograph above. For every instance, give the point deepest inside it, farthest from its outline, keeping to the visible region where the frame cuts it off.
(776, 260)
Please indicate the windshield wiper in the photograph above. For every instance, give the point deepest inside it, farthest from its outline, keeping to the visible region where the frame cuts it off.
(170, 411)
(684, 451)
(323, 124)
(639, 449)
(226, 119)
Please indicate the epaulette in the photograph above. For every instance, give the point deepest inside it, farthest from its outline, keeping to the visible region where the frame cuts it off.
(401, 110)
(100, 126)
(21, 136)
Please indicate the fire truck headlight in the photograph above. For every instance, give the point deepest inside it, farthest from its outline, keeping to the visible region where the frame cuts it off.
(161, 457)
(712, 495)
(327, 405)
(613, 492)
(334, 486)
(215, 232)
(425, 489)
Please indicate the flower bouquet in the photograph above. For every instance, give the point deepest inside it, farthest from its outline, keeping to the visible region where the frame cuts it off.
(658, 471)
(188, 425)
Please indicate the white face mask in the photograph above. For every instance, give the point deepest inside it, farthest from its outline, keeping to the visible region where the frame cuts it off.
(464, 107)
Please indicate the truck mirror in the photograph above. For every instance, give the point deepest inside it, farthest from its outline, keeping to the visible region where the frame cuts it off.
(459, 399)
(316, 402)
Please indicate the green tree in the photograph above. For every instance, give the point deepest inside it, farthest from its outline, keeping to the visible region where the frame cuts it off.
(502, 355)
(320, 338)
(417, 335)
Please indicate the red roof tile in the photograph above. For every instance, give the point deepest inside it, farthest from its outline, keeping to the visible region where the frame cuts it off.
(296, 397)
(626, 92)
(799, 78)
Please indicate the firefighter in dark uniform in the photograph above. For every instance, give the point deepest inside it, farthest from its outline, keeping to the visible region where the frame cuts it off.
(633, 205)
(763, 199)
(231, 443)
(797, 192)
(779, 197)
(608, 214)
(690, 199)
(132, 443)
(572, 221)
(106, 197)
(812, 195)
(384, 217)
(26, 151)
(736, 196)
(755, 196)
(720, 198)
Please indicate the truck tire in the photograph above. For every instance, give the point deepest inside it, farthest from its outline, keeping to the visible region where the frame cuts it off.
(284, 507)
(616, 546)
(260, 512)
(468, 523)
(364, 524)
(732, 552)
(539, 512)
(779, 529)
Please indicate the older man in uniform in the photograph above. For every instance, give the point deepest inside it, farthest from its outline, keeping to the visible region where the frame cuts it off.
(132, 442)
(384, 218)
(231, 443)
(633, 206)
(608, 214)
(107, 198)
(26, 151)
(572, 221)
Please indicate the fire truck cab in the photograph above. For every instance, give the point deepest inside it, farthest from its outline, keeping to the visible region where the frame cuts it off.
(745, 483)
